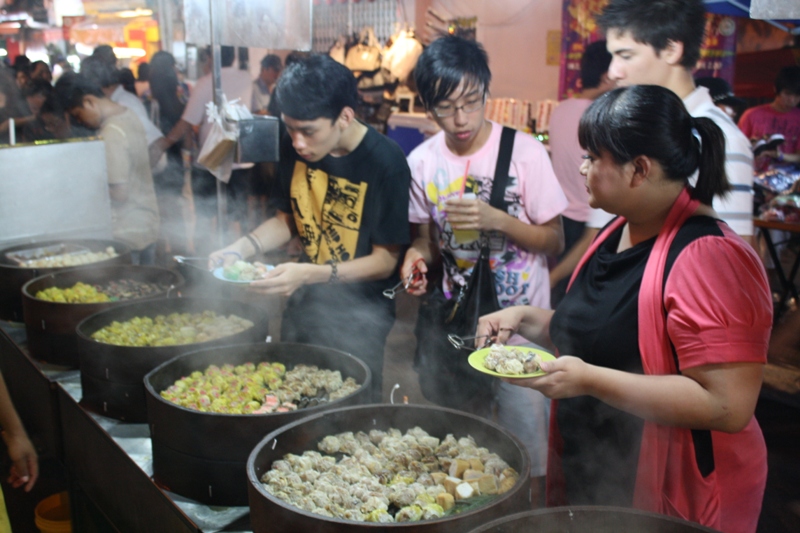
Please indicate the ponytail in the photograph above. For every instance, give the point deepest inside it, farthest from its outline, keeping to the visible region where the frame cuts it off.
(712, 180)
(651, 120)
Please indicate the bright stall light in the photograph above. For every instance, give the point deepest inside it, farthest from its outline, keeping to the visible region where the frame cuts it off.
(128, 53)
(84, 49)
(37, 56)
(133, 13)
(3, 52)
(74, 61)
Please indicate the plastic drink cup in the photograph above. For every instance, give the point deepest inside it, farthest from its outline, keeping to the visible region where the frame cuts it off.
(465, 236)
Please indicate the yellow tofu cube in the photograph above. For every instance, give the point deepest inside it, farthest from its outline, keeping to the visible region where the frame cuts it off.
(446, 500)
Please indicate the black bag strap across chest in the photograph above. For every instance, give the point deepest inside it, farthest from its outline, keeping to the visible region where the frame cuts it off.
(500, 182)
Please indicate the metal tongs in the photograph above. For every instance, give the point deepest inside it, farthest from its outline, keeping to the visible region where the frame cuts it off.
(414, 277)
(460, 344)
(187, 261)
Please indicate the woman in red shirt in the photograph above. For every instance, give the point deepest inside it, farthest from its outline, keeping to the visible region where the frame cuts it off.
(663, 333)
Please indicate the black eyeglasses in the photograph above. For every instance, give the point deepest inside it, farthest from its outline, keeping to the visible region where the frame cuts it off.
(449, 110)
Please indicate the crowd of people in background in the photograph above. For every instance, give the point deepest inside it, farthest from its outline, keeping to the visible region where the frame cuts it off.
(187, 202)
(173, 119)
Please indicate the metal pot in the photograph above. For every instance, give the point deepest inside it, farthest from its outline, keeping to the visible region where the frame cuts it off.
(13, 276)
(50, 326)
(268, 513)
(112, 376)
(203, 456)
(597, 519)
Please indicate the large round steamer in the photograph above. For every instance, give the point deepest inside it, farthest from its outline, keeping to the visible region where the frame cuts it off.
(13, 276)
(112, 377)
(51, 326)
(203, 456)
(268, 513)
(597, 519)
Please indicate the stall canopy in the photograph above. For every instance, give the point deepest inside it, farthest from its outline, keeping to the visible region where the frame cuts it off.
(741, 8)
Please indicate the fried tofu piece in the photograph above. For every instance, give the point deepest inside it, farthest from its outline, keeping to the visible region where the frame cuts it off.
(464, 491)
(509, 472)
(506, 484)
(487, 484)
(446, 500)
(470, 474)
(476, 464)
(450, 483)
(474, 484)
(438, 477)
(457, 467)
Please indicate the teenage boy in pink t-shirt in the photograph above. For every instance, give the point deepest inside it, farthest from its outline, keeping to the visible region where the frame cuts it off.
(780, 116)
(452, 78)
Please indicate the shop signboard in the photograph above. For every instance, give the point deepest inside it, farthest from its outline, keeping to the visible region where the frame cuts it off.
(579, 29)
(717, 57)
(69, 21)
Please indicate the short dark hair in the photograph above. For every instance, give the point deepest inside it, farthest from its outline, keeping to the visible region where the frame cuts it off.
(788, 80)
(594, 63)
(39, 62)
(445, 64)
(143, 71)
(36, 87)
(657, 22)
(23, 63)
(127, 80)
(651, 120)
(98, 71)
(52, 104)
(227, 55)
(316, 87)
(71, 88)
(105, 53)
(294, 56)
(271, 61)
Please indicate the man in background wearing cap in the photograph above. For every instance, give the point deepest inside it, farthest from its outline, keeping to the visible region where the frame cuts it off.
(722, 95)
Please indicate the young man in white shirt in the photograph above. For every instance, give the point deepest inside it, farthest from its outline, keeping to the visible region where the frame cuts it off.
(134, 210)
(100, 69)
(264, 85)
(658, 43)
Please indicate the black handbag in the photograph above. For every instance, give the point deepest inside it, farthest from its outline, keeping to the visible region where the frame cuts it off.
(445, 376)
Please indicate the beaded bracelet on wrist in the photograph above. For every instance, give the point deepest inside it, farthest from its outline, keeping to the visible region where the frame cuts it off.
(334, 272)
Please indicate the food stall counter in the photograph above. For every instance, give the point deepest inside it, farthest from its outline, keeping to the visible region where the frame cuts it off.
(108, 460)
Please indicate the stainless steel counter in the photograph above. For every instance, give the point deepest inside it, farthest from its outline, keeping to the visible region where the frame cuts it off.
(110, 460)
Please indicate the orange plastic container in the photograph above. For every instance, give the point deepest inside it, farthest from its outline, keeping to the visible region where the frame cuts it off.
(52, 515)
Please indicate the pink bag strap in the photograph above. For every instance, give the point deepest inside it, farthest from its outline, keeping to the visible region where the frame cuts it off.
(656, 353)
(651, 293)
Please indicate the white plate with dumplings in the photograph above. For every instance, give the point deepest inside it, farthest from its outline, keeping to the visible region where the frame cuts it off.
(242, 272)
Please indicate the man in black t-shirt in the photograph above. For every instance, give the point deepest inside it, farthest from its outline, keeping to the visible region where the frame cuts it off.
(342, 187)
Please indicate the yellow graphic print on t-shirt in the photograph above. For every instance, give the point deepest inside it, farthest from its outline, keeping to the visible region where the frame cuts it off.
(327, 210)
